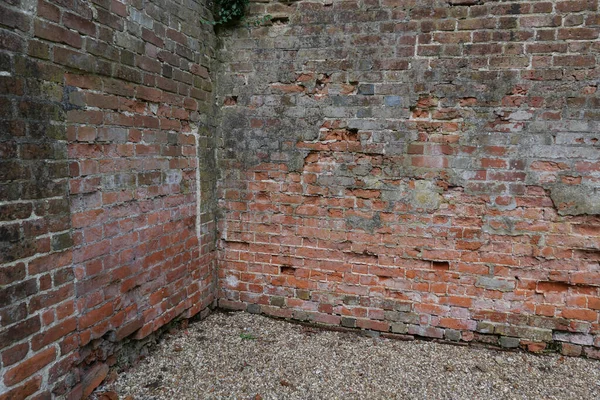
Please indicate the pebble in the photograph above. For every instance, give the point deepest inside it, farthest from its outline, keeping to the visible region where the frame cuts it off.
(211, 360)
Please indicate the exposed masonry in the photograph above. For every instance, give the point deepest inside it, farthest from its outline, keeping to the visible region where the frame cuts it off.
(423, 168)
(107, 203)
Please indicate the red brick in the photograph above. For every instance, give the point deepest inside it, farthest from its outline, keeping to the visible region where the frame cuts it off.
(29, 367)
(177, 36)
(93, 378)
(11, 41)
(24, 390)
(78, 23)
(150, 94)
(199, 70)
(55, 33)
(572, 6)
(19, 331)
(374, 325)
(574, 61)
(14, 19)
(580, 314)
(53, 334)
(534, 347)
(578, 33)
(545, 286)
(14, 354)
(288, 88)
(48, 11)
(118, 8)
(92, 317)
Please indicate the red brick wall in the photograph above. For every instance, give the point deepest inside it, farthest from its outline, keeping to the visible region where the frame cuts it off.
(422, 168)
(106, 221)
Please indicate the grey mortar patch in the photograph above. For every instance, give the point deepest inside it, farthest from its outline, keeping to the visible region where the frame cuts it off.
(365, 223)
(575, 199)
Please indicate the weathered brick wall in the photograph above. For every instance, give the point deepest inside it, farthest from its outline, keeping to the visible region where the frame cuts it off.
(427, 168)
(106, 183)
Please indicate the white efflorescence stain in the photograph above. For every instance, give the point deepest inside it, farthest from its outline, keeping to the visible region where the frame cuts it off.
(232, 281)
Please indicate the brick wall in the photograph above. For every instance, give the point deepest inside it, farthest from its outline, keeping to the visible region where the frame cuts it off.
(107, 183)
(426, 168)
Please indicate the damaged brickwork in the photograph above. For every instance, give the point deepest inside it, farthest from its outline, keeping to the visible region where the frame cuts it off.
(425, 168)
(107, 203)
(417, 168)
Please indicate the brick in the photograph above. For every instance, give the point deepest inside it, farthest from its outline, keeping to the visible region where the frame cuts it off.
(79, 24)
(348, 322)
(578, 33)
(49, 262)
(495, 284)
(74, 59)
(56, 33)
(23, 391)
(53, 334)
(28, 367)
(535, 347)
(150, 94)
(199, 70)
(568, 349)
(97, 315)
(580, 314)
(109, 19)
(399, 327)
(14, 19)
(11, 41)
(575, 6)
(545, 286)
(15, 293)
(12, 273)
(14, 354)
(93, 378)
(48, 11)
(575, 61)
(509, 342)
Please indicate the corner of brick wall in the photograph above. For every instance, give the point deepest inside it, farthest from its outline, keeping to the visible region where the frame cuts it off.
(107, 210)
(423, 169)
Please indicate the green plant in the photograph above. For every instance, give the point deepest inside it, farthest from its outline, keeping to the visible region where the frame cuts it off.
(226, 11)
(257, 21)
(247, 336)
(229, 10)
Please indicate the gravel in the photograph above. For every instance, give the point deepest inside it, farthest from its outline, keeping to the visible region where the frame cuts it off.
(246, 356)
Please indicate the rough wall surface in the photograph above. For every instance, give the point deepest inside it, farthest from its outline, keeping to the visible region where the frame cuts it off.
(106, 193)
(429, 168)
(426, 168)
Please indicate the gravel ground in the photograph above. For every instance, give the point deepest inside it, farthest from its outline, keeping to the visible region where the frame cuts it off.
(245, 356)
